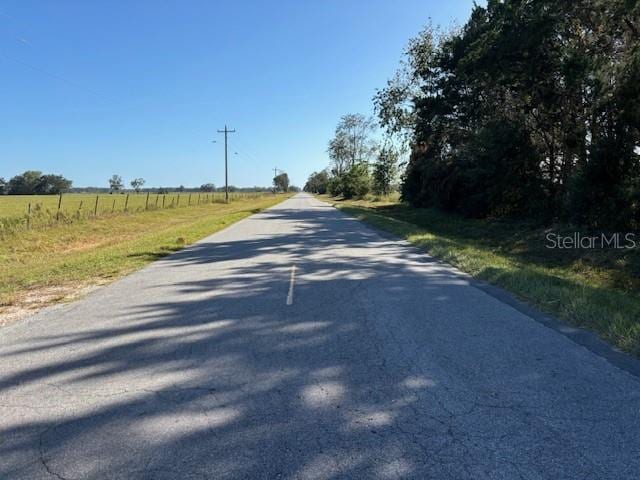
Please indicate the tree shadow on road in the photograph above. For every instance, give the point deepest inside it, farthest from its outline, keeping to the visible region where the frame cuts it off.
(218, 377)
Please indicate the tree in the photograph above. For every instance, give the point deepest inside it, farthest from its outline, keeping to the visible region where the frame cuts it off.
(281, 182)
(356, 183)
(385, 171)
(335, 185)
(52, 185)
(33, 182)
(137, 184)
(115, 183)
(351, 143)
(3, 186)
(25, 183)
(350, 150)
(317, 182)
(207, 187)
(394, 104)
(531, 109)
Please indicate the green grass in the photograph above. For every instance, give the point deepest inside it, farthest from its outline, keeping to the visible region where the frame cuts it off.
(595, 289)
(94, 251)
(23, 212)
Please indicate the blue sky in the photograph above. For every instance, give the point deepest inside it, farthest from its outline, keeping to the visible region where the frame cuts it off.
(139, 88)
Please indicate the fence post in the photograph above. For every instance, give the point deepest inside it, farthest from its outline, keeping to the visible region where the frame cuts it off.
(29, 217)
(163, 199)
(95, 209)
(126, 203)
(178, 202)
(189, 202)
(157, 198)
(59, 205)
(146, 205)
(198, 199)
(113, 207)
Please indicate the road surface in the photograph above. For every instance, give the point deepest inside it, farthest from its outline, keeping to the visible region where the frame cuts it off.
(299, 344)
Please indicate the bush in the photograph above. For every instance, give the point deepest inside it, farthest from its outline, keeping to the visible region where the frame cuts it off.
(334, 186)
(356, 183)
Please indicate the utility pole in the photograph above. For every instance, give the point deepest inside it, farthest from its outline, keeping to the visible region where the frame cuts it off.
(226, 175)
(275, 174)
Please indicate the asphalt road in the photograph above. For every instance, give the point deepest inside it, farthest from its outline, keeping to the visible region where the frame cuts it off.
(299, 344)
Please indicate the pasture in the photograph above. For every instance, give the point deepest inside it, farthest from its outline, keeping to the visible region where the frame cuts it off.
(18, 205)
(19, 212)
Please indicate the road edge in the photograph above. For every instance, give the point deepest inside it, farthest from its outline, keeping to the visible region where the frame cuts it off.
(580, 336)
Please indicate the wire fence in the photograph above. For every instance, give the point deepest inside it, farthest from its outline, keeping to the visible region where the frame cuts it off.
(24, 212)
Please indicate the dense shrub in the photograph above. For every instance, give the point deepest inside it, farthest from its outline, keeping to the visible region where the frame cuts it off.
(356, 183)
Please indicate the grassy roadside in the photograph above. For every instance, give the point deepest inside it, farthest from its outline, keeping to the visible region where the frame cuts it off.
(41, 267)
(595, 289)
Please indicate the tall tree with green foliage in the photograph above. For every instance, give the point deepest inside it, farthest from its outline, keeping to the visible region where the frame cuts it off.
(281, 182)
(25, 183)
(531, 109)
(352, 142)
(115, 183)
(33, 182)
(137, 184)
(385, 171)
(52, 185)
(317, 182)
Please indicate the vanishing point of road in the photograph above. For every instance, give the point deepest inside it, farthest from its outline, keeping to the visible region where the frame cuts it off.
(299, 344)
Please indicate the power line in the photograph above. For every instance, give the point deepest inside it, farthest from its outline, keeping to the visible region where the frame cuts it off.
(243, 151)
(249, 152)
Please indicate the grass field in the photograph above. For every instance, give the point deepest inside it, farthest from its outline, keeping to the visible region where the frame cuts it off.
(43, 266)
(595, 289)
(14, 209)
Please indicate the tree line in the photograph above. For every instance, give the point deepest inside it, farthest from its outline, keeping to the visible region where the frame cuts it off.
(360, 164)
(529, 110)
(33, 182)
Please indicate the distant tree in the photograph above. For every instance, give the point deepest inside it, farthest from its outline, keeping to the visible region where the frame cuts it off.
(162, 191)
(33, 182)
(317, 182)
(207, 187)
(385, 171)
(351, 143)
(3, 186)
(181, 188)
(294, 188)
(24, 184)
(356, 183)
(115, 183)
(281, 182)
(52, 185)
(137, 184)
